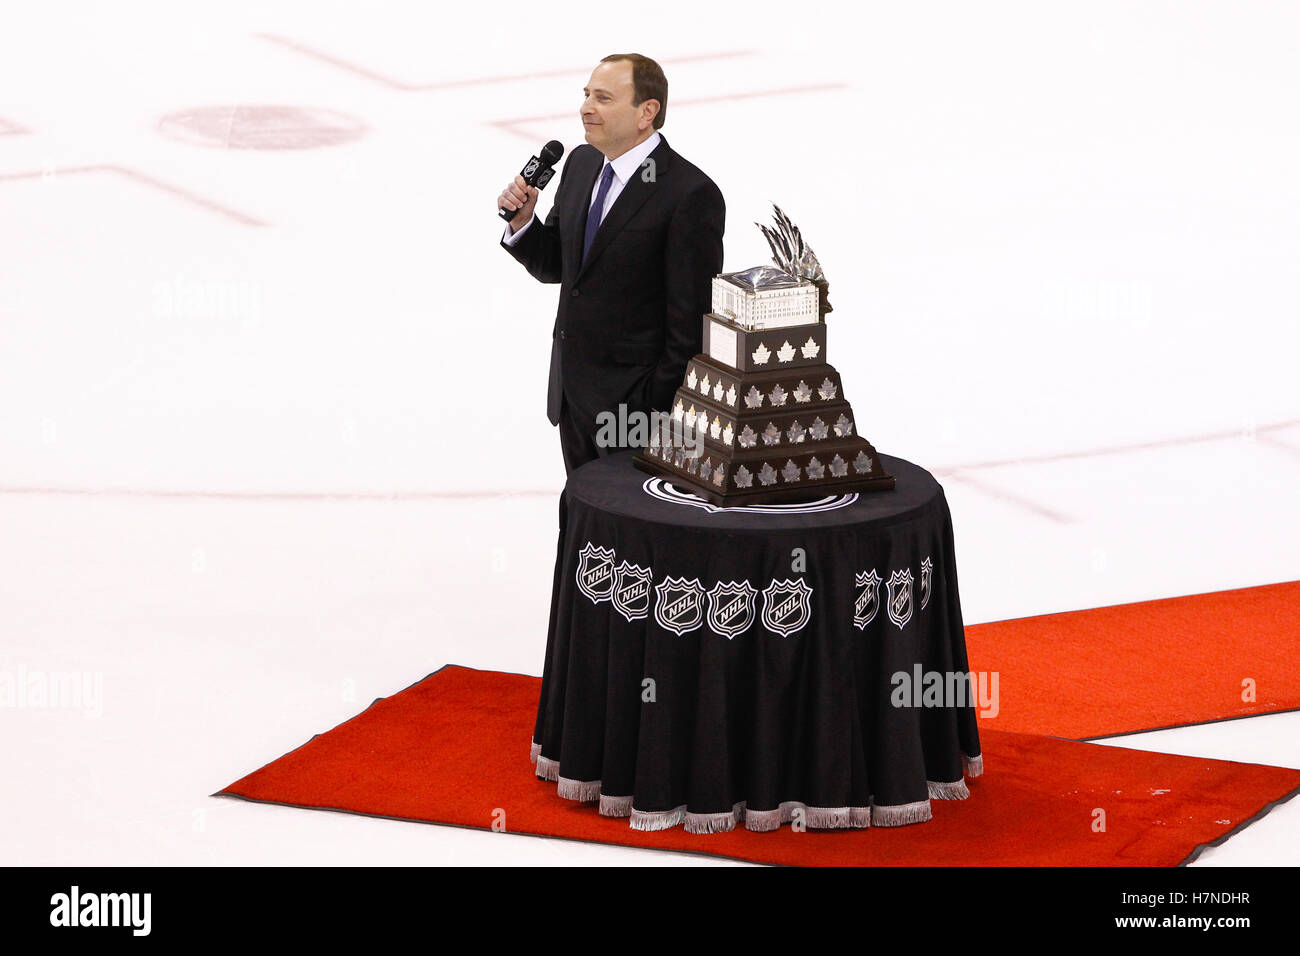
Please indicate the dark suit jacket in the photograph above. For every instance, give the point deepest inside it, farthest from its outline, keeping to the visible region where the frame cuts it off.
(630, 317)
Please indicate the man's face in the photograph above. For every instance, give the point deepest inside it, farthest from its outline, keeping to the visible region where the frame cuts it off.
(612, 124)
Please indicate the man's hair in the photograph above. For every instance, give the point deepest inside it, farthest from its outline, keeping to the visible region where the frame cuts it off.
(648, 82)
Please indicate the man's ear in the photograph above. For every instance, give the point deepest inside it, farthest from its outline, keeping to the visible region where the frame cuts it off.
(649, 110)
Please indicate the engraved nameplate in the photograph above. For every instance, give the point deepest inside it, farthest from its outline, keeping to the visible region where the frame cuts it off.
(722, 344)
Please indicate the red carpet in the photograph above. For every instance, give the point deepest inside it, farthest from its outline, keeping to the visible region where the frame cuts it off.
(454, 749)
(1134, 667)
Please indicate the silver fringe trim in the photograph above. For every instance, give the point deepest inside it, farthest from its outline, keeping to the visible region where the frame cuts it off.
(901, 815)
(947, 791)
(819, 818)
(584, 791)
(715, 822)
(764, 821)
(838, 818)
(615, 806)
(657, 820)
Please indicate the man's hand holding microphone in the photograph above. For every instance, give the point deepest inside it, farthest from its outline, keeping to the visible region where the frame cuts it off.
(518, 196)
(516, 203)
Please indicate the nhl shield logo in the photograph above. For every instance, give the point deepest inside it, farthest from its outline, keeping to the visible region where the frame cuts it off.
(632, 590)
(786, 606)
(596, 572)
(927, 572)
(867, 603)
(731, 608)
(900, 597)
(679, 605)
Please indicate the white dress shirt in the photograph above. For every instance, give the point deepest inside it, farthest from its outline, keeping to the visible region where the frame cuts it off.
(625, 168)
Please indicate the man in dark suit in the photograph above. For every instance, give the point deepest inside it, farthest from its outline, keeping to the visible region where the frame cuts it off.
(634, 239)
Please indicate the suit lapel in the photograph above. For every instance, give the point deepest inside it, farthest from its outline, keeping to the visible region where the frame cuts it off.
(582, 206)
(638, 189)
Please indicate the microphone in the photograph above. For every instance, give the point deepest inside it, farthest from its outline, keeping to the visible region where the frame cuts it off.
(538, 172)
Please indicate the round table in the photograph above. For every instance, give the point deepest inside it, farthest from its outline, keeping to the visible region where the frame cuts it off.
(707, 667)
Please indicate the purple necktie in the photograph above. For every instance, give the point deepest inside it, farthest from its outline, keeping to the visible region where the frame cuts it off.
(597, 207)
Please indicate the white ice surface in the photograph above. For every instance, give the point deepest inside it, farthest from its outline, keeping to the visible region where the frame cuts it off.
(237, 473)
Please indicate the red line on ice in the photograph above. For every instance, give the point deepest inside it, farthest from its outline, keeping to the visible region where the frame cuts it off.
(1122, 449)
(388, 81)
(282, 495)
(1001, 495)
(144, 179)
(1280, 444)
(511, 125)
(955, 472)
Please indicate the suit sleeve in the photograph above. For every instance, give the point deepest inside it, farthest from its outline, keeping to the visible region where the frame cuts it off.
(538, 246)
(692, 258)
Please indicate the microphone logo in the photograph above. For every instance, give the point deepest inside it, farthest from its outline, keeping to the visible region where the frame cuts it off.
(531, 168)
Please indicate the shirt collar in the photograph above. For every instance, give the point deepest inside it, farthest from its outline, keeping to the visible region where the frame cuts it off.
(629, 162)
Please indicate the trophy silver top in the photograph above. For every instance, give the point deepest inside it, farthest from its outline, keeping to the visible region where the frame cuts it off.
(763, 277)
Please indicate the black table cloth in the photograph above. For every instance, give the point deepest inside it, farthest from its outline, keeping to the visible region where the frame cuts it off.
(707, 667)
